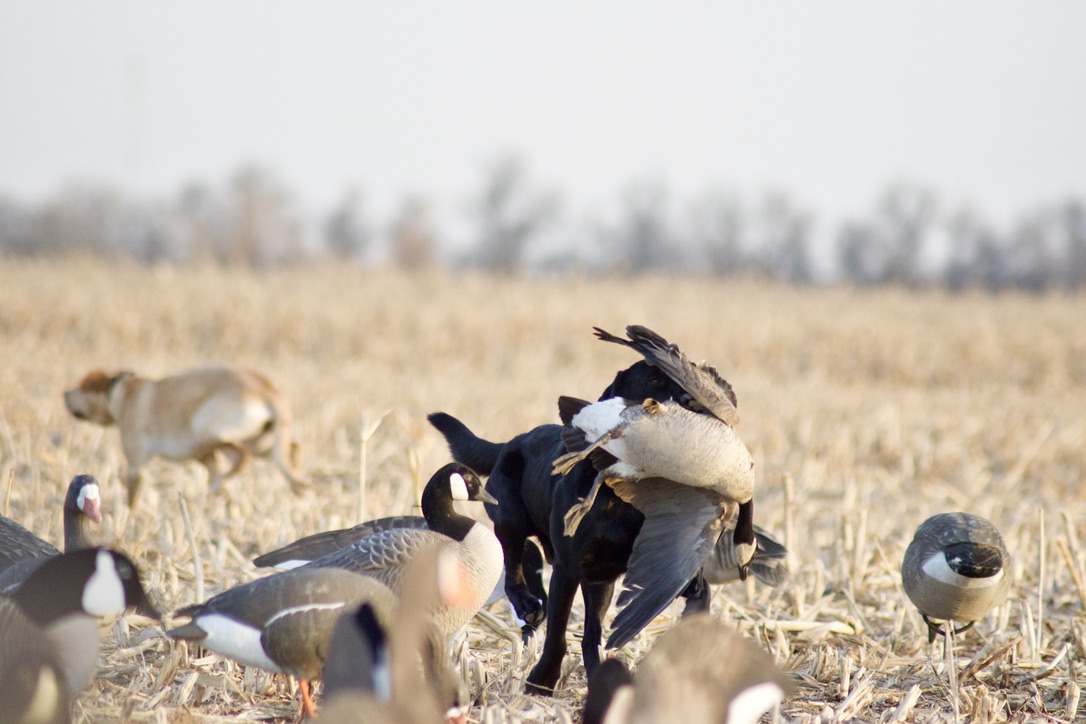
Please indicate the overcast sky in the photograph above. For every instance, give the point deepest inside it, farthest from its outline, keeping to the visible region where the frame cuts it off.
(985, 102)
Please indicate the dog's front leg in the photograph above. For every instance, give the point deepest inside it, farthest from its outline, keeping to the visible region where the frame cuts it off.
(597, 599)
(544, 676)
(528, 607)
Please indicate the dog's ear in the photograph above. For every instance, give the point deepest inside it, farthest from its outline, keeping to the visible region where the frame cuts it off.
(97, 381)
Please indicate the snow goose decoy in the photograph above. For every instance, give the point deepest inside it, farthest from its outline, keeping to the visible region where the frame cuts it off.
(385, 555)
(699, 672)
(282, 623)
(680, 463)
(66, 593)
(955, 569)
(374, 668)
(21, 551)
(33, 687)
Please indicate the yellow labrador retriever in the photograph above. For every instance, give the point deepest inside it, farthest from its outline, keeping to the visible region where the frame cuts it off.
(192, 416)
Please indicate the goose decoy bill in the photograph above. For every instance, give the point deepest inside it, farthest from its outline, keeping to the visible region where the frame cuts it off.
(956, 569)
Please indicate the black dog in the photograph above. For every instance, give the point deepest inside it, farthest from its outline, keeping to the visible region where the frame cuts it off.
(532, 503)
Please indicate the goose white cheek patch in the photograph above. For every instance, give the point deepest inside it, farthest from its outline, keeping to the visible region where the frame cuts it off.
(458, 487)
(748, 705)
(937, 568)
(89, 492)
(103, 594)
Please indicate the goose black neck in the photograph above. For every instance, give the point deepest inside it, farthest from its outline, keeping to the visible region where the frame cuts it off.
(441, 515)
(51, 592)
(744, 525)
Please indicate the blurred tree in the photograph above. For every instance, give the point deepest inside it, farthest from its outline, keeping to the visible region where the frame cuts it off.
(643, 239)
(263, 227)
(783, 239)
(510, 214)
(976, 257)
(413, 236)
(345, 232)
(888, 248)
(717, 223)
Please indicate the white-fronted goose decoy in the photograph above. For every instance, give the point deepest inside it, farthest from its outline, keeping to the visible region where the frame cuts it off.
(385, 555)
(699, 672)
(955, 569)
(282, 623)
(403, 671)
(33, 688)
(67, 593)
(21, 551)
(680, 463)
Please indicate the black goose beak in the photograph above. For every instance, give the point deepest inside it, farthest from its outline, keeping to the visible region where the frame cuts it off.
(485, 497)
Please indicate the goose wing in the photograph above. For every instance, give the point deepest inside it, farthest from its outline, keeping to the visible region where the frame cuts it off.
(682, 524)
(321, 544)
(702, 382)
(17, 544)
(383, 555)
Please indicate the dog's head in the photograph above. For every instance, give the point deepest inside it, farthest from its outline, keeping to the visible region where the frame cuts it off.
(90, 400)
(641, 381)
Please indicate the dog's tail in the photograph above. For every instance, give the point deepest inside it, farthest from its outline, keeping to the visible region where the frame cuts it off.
(466, 447)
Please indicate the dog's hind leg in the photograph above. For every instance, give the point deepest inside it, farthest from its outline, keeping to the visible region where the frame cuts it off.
(597, 599)
(698, 595)
(544, 676)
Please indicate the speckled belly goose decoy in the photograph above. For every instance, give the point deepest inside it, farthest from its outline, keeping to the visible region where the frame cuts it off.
(282, 623)
(955, 569)
(66, 594)
(699, 672)
(385, 556)
(21, 551)
(680, 463)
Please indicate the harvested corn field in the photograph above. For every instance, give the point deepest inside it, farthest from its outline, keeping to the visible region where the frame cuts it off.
(866, 412)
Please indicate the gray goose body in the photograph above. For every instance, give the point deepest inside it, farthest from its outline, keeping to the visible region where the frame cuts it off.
(386, 555)
(699, 672)
(680, 463)
(33, 687)
(310, 548)
(282, 623)
(21, 551)
(956, 569)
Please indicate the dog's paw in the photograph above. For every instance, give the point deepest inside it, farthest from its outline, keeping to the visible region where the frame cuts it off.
(528, 608)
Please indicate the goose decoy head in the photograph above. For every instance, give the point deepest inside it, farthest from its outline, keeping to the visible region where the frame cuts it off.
(463, 484)
(96, 581)
(84, 496)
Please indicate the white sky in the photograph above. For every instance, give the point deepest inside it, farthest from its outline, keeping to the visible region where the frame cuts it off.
(985, 102)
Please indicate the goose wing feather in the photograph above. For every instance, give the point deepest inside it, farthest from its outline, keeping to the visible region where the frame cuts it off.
(682, 524)
(702, 382)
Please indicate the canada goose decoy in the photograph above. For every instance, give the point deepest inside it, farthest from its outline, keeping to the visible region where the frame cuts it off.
(18, 546)
(955, 569)
(282, 623)
(699, 672)
(64, 596)
(376, 669)
(385, 555)
(310, 548)
(769, 564)
(33, 687)
(680, 463)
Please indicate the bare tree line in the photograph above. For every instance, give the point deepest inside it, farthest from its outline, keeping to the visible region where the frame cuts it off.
(907, 238)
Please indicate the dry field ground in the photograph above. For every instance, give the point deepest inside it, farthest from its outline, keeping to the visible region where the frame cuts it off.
(866, 411)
